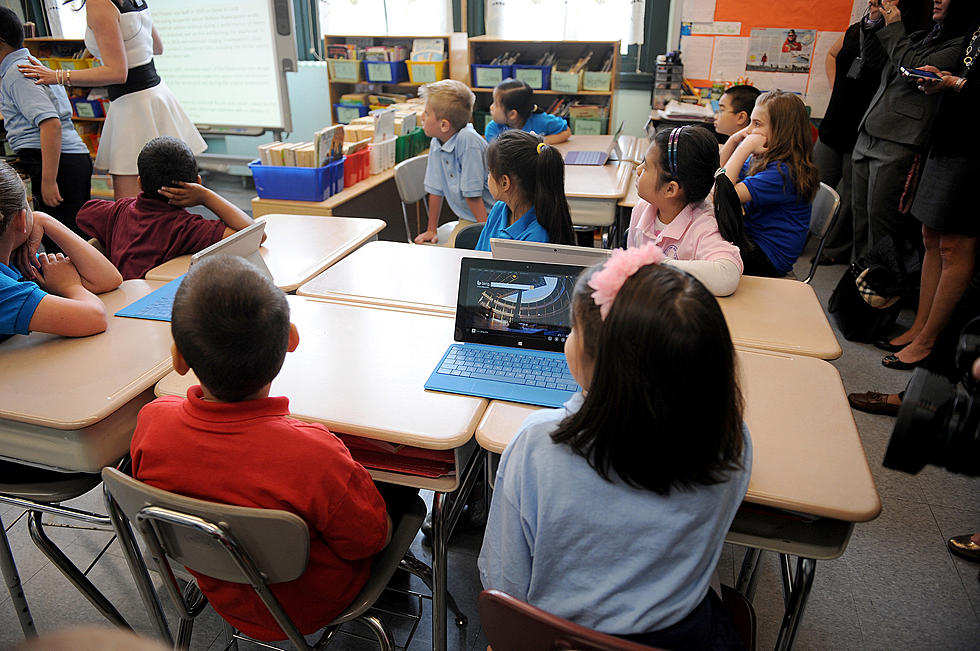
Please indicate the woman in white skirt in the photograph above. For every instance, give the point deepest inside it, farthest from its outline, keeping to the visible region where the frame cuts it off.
(121, 34)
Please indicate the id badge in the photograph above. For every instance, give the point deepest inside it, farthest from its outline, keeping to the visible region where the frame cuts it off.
(854, 71)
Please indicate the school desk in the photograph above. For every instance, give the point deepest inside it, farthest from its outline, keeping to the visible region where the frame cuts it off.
(779, 314)
(630, 146)
(395, 274)
(297, 247)
(361, 371)
(808, 461)
(70, 404)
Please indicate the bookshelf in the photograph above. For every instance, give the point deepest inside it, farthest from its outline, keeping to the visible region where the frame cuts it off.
(339, 87)
(482, 49)
(51, 49)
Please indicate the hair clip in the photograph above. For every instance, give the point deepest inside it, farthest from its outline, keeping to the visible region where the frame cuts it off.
(622, 264)
(541, 146)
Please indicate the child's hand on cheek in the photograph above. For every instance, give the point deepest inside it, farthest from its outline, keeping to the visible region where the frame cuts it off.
(740, 135)
(755, 142)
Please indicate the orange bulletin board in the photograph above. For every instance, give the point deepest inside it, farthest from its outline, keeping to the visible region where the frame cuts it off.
(823, 16)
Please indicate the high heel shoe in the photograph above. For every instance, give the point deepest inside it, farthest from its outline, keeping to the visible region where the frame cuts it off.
(892, 362)
(888, 347)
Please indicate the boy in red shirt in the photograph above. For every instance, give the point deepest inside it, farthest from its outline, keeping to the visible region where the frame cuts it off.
(145, 231)
(229, 442)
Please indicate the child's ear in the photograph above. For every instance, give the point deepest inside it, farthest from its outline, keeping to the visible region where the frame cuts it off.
(19, 222)
(504, 182)
(180, 364)
(293, 337)
(743, 119)
(199, 180)
(673, 190)
(139, 183)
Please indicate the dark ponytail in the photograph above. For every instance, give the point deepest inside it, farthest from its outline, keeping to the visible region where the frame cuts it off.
(695, 171)
(540, 176)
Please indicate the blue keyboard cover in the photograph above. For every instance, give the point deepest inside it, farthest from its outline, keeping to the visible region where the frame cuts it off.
(504, 366)
(155, 306)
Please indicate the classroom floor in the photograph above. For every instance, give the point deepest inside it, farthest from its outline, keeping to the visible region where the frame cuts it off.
(896, 586)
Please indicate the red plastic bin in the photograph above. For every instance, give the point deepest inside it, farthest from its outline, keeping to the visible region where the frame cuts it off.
(356, 167)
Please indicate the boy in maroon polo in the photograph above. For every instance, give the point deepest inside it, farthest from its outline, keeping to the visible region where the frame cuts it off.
(141, 232)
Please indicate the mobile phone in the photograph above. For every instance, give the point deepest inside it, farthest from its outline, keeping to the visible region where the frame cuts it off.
(916, 73)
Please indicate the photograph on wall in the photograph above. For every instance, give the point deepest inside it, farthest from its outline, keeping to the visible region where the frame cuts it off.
(781, 50)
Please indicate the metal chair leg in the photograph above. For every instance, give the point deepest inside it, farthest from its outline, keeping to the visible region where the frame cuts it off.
(802, 582)
(9, 569)
(71, 572)
(418, 568)
(748, 575)
(380, 630)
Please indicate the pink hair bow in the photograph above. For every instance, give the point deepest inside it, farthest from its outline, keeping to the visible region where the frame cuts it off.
(622, 264)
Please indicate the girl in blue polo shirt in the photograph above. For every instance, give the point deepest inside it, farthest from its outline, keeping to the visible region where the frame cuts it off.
(770, 163)
(527, 178)
(61, 299)
(514, 108)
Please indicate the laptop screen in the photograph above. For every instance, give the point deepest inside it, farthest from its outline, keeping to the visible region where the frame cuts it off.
(515, 304)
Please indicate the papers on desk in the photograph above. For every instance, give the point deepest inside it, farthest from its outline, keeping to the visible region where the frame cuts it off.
(681, 111)
(405, 459)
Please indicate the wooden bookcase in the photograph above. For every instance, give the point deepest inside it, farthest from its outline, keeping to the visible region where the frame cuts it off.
(339, 87)
(482, 49)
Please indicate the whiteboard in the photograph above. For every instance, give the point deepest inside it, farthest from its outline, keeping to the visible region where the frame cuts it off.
(225, 60)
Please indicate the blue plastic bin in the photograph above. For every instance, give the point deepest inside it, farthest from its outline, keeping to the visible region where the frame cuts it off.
(390, 72)
(347, 112)
(487, 76)
(297, 183)
(537, 77)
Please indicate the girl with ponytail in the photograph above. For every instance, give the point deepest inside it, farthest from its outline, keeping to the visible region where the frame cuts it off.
(675, 211)
(527, 178)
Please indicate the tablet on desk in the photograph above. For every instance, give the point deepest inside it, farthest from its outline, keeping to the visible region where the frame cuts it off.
(158, 305)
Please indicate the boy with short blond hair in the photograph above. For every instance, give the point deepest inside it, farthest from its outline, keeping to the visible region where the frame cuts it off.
(457, 168)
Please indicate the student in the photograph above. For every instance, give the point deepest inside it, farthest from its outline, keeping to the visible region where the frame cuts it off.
(513, 107)
(673, 212)
(664, 456)
(527, 178)
(40, 131)
(61, 299)
(457, 168)
(147, 230)
(735, 109)
(770, 163)
(229, 442)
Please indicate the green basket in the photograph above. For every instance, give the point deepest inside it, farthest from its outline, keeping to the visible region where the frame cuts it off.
(410, 144)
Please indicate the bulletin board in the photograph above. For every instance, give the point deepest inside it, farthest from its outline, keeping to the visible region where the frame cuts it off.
(771, 44)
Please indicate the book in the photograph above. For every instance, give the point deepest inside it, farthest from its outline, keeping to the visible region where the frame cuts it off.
(328, 144)
(384, 124)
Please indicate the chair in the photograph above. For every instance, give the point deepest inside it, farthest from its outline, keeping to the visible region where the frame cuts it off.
(233, 543)
(41, 491)
(468, 236)
(512, 625)
(823, 215)
(410, 181)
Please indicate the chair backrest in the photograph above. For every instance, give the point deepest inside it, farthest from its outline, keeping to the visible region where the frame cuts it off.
(468, 236)
(410, 178)
(824, 207)
(276, 542)
(512, 625)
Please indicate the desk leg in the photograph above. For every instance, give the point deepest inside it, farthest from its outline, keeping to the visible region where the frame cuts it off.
(9, 570)
(748, 575)
(802, 582)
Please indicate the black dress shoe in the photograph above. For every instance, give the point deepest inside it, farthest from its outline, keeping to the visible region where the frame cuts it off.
(873, 402)
(888, 347)
(892, 362)
(963, 547)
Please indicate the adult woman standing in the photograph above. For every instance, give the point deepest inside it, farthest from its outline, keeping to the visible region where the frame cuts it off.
(899, 120)
(121, 34)
(854, 66)
(945, 204)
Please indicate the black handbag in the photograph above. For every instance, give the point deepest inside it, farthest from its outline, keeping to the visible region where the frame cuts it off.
(854, 317)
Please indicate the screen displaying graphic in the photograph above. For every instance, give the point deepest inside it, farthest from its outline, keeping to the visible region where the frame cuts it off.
(781, 50)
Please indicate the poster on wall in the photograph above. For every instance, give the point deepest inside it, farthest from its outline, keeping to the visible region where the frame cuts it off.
(781, 50)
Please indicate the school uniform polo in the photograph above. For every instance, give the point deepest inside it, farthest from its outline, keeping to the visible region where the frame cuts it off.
(139, 233)
(543, 124)
(251, 453)
(24, 105)
(692, 235)
(603, 554)
(776, 218)
(457, 170)
(18, 300)
(526, 228)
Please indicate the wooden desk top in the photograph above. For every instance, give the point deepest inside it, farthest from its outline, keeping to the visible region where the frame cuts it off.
(362, 371)
(807, 453)
(297, 248)
(781, 315)
(395, 274)
(631, 194)
(606, 182)
(67, 383)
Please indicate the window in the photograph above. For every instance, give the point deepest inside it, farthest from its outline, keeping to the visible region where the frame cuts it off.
(393, 17)
(571, 20)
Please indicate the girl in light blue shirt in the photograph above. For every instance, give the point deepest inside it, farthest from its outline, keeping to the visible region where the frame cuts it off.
(612, 511)
(514, 108)
(527, 178)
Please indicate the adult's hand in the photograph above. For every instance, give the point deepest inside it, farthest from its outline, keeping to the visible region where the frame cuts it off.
(891, 12)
